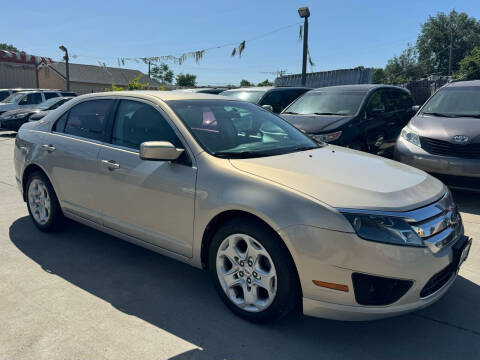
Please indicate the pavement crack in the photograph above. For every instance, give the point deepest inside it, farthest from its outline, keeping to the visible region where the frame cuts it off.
(446, 323)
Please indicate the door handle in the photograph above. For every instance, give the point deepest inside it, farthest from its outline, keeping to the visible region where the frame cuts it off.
(111, 164)
(48, 147)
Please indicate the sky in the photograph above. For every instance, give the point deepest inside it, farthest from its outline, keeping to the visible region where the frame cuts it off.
(342, 34)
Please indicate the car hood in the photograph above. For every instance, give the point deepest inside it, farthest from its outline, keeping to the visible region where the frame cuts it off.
(345, 178)
(20, 111)
(443, 128)
(39, 114)
(313, 124)
(7, 107)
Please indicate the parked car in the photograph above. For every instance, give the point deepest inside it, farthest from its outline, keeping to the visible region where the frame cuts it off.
(274, 99)
(443, 138)
(25, 99)
(221, 184)
(363, 117)
(214, 91)
(4, 93)
(13, 119)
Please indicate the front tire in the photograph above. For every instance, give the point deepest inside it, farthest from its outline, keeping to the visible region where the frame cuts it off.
(42, 203)
(252, 271)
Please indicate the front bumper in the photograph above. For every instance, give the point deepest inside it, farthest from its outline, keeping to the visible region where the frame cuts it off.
(12, 124)
(335, 257)
(456, 172)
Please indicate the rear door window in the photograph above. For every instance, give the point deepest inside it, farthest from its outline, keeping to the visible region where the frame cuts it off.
(88, 119)
(31, 99)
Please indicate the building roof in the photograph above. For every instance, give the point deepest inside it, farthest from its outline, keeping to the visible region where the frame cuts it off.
(101, 74)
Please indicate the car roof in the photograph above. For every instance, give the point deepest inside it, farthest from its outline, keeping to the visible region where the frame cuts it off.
(162, 95)
(464, 83)
(270, 88)
(364, 88)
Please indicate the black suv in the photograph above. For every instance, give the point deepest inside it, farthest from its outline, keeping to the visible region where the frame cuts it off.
(363, 117)
(274, 99)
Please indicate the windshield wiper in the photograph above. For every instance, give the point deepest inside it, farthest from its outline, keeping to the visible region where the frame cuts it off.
(239, 154)
(305, 148)
(327, 113)
(468, 115)
(437, 114)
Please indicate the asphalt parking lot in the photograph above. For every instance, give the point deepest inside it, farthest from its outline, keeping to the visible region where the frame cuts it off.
(82, 294)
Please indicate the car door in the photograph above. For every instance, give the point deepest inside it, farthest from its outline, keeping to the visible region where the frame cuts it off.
(149, 200)
(71, 157)
(398, 106)
(374, 126)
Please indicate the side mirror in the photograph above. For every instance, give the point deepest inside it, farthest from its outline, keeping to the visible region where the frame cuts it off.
(415, 108)
(268, 107)
(159, 150)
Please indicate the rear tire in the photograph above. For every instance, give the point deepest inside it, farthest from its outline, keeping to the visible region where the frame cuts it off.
(42, 203)
(252, 271)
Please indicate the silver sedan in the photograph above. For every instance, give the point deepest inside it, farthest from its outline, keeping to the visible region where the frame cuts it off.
(279, 220)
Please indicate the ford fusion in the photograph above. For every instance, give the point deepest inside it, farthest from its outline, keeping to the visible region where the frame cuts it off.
(279, 220)
(444, 136)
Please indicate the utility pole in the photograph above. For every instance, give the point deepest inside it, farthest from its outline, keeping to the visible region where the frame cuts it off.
(450, 52)
(67, 67)
(149, 63)
(304, 12)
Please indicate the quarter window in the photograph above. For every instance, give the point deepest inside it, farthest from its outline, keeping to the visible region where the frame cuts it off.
(137, 122)
(49, 95)
(88, 119)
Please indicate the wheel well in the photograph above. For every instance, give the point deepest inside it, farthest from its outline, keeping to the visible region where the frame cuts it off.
(26, 174)
(222, 218)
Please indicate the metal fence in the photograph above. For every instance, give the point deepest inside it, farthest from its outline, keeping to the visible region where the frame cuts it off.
(328, 78)
(422, 89)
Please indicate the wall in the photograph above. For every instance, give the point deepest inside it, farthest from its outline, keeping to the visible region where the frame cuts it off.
(328, 78)
(16, 75)
(50, 79)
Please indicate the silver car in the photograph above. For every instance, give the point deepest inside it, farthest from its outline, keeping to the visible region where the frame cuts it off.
(443, 138)
(279, 220)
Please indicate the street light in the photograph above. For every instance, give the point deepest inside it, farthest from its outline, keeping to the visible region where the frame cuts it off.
(304, 12)
(64, 49)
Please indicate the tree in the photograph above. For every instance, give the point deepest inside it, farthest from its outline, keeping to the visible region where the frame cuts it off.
(245, 83)
(264, 83)
(188, 80)
(438, 33)
(379, 76)
(8, 47)
(403, 68)
(162, 73)
(470, 66)
(135, 84)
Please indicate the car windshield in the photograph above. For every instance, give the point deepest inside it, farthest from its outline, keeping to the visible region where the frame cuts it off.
(48, 103)
(455, 101)
(236, 129)
(344, 103)
(250, 96)
(12, 99)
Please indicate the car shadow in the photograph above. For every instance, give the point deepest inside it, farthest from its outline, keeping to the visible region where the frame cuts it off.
(467, 201)
(180, 299)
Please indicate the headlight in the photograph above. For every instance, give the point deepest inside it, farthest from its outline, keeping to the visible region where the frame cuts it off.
(410, 136)
(21, 115)
(385, 229)
(327, 137)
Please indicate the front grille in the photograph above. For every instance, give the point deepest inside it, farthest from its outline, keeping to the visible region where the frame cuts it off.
(445, 148)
